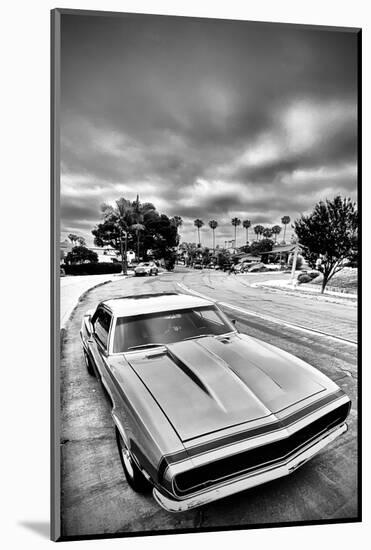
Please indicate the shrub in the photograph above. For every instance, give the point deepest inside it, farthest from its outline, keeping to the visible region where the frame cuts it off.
(314, 274)
(81, 254)
(304, 278)
(92, 269)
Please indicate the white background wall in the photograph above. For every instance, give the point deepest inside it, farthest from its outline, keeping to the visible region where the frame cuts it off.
(25, 213)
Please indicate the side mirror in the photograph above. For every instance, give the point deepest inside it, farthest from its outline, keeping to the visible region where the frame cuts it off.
(234, 321)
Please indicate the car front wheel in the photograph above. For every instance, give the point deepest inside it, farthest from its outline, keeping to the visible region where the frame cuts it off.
(133, 475)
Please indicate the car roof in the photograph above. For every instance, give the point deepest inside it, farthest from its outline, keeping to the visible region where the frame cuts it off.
(142, 304)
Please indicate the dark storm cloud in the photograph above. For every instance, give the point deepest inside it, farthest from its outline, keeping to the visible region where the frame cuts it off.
(204, 118)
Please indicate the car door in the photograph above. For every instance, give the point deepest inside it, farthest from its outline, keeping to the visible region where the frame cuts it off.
(98, 343)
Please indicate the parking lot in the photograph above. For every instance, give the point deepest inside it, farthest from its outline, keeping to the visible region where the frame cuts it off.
(95, 496)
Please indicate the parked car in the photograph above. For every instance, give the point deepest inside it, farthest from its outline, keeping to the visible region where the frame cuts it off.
(202, 411)
(197, 265)
(146, 268)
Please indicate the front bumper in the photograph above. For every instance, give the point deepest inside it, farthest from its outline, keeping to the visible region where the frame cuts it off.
(250, 480)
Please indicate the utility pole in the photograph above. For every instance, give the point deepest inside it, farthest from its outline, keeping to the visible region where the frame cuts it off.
(294, 260)
(124, 254)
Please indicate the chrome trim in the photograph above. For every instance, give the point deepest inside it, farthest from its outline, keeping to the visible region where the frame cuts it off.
(251, 480)
(227, 450)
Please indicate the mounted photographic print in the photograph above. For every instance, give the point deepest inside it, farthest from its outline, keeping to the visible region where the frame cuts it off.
(205, 188)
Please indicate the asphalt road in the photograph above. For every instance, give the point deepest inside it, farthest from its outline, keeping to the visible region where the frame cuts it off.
(95, 496)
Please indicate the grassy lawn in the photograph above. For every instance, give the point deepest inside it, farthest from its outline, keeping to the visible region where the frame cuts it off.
(346, 279)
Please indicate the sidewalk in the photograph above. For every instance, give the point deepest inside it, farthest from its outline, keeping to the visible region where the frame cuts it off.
(306, 290)
(72, 287)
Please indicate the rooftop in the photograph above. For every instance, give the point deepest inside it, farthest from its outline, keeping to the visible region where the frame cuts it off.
(127, 306)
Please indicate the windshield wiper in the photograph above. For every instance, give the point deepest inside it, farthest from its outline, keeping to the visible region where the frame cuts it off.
(199, 336)
(151, 345)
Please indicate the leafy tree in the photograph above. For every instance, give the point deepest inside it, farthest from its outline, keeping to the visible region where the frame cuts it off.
(353, 257)
(190, 250)
(80, 255)
(146, 229)
(170, 260)
(285, 220)
(206, 255)
(235, 222)
(246, 249)
(258, 230)
(265, 245)
(223, 257)
(198, 223)
(81, 241)
(330, 234)
(276, 230)
(213, 224)
(247, 224)
(177, 222)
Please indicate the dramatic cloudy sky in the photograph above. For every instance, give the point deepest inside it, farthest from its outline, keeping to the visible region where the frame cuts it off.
(206, 119)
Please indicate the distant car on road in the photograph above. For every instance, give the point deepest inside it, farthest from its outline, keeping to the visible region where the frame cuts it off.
(146, 268)
(202, 411)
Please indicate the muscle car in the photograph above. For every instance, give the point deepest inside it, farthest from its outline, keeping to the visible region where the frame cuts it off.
(201, 410)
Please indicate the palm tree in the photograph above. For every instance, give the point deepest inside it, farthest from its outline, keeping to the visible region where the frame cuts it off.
(213, 224)
(247, 224)
(137, 228)
(276, 231)
(235, 222)
(177, 221)
(122, 217)
(285, 220)
(139, 212)
(258, 230)
(267, 233)
(198, 223)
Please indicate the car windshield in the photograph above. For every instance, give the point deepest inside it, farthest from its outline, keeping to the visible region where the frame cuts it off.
(168, 327)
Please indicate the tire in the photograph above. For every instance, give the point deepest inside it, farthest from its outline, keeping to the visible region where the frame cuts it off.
(88, 363)
(133, 475)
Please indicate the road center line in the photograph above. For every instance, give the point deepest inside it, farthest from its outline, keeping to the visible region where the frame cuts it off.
(271, 319)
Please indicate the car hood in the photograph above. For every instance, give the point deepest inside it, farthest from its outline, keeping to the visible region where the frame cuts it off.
(210, 384)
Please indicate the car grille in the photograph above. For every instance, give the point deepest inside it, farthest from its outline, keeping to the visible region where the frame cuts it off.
(220, 470)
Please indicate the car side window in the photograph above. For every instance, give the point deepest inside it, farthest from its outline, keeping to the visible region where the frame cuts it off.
(102, 324)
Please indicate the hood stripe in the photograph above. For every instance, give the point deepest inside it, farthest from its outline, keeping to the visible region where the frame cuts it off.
(188, 371)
